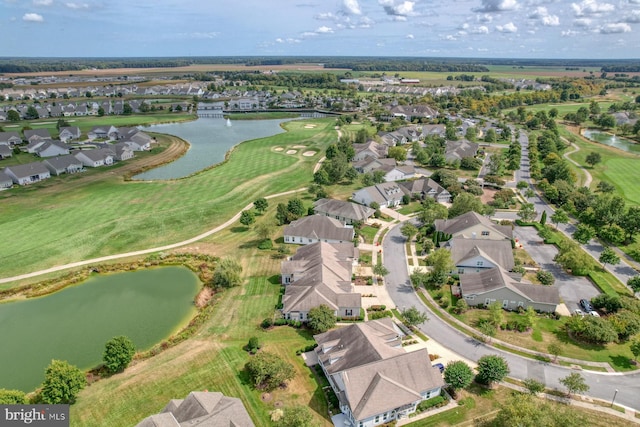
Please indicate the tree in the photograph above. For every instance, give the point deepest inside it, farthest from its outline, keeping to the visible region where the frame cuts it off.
(605, 187)
(321, 318)
(61, 123)
(631, 220)
(554, 349)
(525, 410)
(533, 386)
(559, 217)
(593, 158)
(522, 185)
(608, 256)
(247, 218)
(12, 397)
(269, 371)
(295, 416)
(442, 264)
(496, 314)
(62, 383)
(488, 330)
(635, 348)
(527, 213)
(127, 110)
(31, 113)
(118, 353)
(264, 230)
(634, 283)
(543, 218)
(545, 277)
(584, 233)
(380, 270)
(13, 116)
(227, 273)
(491, 369)
(574, 382)
(606, 121)
(100, 111)
(408, 230)
(464, 203)
(413, 316)
(261, 204)
(253, 345)
(398, 153)
(458, 375)
(296, 207)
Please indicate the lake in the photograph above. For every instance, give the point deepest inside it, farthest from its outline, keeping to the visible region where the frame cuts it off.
(611, 140)
(210, 140)
(74, 324)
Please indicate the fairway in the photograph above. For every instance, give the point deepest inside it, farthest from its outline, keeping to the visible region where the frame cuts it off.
(43, 227)
(623, 173)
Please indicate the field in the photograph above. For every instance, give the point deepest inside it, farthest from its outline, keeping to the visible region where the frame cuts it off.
(44, 225)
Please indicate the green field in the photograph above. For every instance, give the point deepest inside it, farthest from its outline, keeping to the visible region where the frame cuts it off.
(44, 225)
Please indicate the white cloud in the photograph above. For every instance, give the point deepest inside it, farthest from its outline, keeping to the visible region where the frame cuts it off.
(279, 40)
(366, 22)
(544, 17)
(32, 17)
(410, 36)
(615, 28)
(324, 30)
(569, 33)
(482, 29)
(507, 28)
(401, 9)
(325, 16)
(591, 7)
(485, 18)
(450, 37)
(497, 5)
(43, 2)
(633, 17)
(352, 6)
(582, 22)
(77, 6)
(308, 34)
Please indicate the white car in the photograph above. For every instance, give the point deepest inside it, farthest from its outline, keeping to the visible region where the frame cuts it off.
(578, 312)
(594, 313)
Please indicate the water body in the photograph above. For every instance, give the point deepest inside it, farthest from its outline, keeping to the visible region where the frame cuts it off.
(612, 140)
(74, 324)
(210, 140)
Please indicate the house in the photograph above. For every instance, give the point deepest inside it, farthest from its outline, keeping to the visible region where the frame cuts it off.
(426, 187)
(475, 255)
(495, 284)
(64, 164)
(27, 173)
(472, 225)
(69, 133)
(103, 132)
(95, 158)
(10, 138)
(387, 194)
(320, 273)
(5, 180)
(370, 164)
(375, 380)
(122, 151)
(140, 141)
(369, 149)
(31, 135)
(345, 212)
(410, 112)
(33, 146)
(202, 409)
(52, 149)
(397, 173)
(5, 152)
(458, 150)
(317, 228)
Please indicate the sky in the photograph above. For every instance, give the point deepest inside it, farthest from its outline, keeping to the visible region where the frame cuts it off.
(589, 29)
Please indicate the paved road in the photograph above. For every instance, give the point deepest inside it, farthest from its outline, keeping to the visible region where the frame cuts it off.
(602, 385)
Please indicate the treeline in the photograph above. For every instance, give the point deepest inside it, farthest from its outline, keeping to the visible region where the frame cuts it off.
(319, 80)
(621, 68)
(405, 65)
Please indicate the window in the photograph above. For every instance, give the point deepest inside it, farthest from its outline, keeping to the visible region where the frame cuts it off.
(309, 240)
(470, 298)
(461, 271)
(377, 419)
(505, 303)
(485, 233)
(480, 263)
(348, 312)
(487, 301)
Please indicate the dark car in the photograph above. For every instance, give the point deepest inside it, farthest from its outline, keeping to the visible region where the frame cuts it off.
(440, 366)
(586, 305)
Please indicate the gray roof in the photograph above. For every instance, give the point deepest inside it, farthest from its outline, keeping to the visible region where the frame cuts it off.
(381, 193)
(422, 186)
(63, 162)
(497, 278)
(463, 222)
(5, 136)
(319, 227)
(96, 154)
(28, 169)
(499, 251)
(74, 130)
(205, 409)
(5, 150)
(343, 209)
(42, 133)
(460, 149)
(4, 177)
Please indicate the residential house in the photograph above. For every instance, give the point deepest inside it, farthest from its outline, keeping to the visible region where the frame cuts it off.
(139, 141)
(122, 151)
(495, 284)
(64, 164)
(96, 158)
(375, 380)
(397, 173)
(70, 133)
(317, 228)
(202, 409)
(10, 138)
(5, 152)
(5, 180)
(371, 149)
(434, 130)
(33, 146)
(392, 139)
(52, 149)
(426, 187)
(475, 255)
(345, 212)
(410, 112)
(458, 150)
(472, 225)
(387, 194)
(370, 164)
(32, 135)
(27, 173)
(320, 273)
(103, 132)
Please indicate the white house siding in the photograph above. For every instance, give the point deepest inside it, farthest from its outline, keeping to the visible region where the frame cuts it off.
(474, 265)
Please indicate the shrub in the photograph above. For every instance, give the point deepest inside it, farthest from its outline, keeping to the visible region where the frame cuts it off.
(118, 353)
(461, 306)
(12, 397)
(267, 323)
(435, 402)
(379, 314)
(265, 244)
(377, 308)
(253, 345)
(545, 277)
(62, 383)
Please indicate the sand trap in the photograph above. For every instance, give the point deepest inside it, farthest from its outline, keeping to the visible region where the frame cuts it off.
(292, 151)
(310, 126)
(299, 146)
(11, 126)
(43, 123)
(309, 153)
(278, 149)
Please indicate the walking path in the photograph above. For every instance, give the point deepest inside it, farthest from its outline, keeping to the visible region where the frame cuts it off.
(589, 179)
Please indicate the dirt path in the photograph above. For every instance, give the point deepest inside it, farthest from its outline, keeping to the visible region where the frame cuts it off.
(588, 178)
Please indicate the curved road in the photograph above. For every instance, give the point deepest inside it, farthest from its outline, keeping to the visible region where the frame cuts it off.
(602, 385)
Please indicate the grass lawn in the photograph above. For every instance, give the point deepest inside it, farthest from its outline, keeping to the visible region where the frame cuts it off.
(212, 360)
(412, 207)
(368, 233)
(47, 224)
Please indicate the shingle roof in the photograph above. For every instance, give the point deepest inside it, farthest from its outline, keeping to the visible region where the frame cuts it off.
(343, 209)
(499, 251)
(469, 219)
(63, 162)
(42, 133)
(4, 177)
(319, 227)
(28, 169)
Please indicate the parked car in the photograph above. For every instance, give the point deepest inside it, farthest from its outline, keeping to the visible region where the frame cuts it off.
(440, 366)
(594, 313)
(578, 312)
(586, 305)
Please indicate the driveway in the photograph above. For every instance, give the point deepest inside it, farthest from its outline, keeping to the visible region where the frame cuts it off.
(571, 288)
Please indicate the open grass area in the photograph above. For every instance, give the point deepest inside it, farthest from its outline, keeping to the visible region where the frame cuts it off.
(368, 233)
(47, 224)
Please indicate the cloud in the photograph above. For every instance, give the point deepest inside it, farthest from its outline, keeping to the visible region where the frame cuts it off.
(591, 7)
(410, 36)
(450, 38)
(398, 10)
(544, 17)
(326, 16)
(497, 6)
(32, 17)
(633, 17)
(352, 7)
(366, 22)
(482, 29)
(582, 22)
(324, 30)
(308, 34)
(77, 6)
(569, 33)
(287, 40)
(615, 28)
(507, 28)
(42, 2)
(484, 18)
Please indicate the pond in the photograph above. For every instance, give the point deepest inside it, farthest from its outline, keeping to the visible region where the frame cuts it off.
(210, 140)
(74, 324)
(611, 140)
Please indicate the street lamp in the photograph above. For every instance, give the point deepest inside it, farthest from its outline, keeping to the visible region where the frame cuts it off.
(614, 397)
